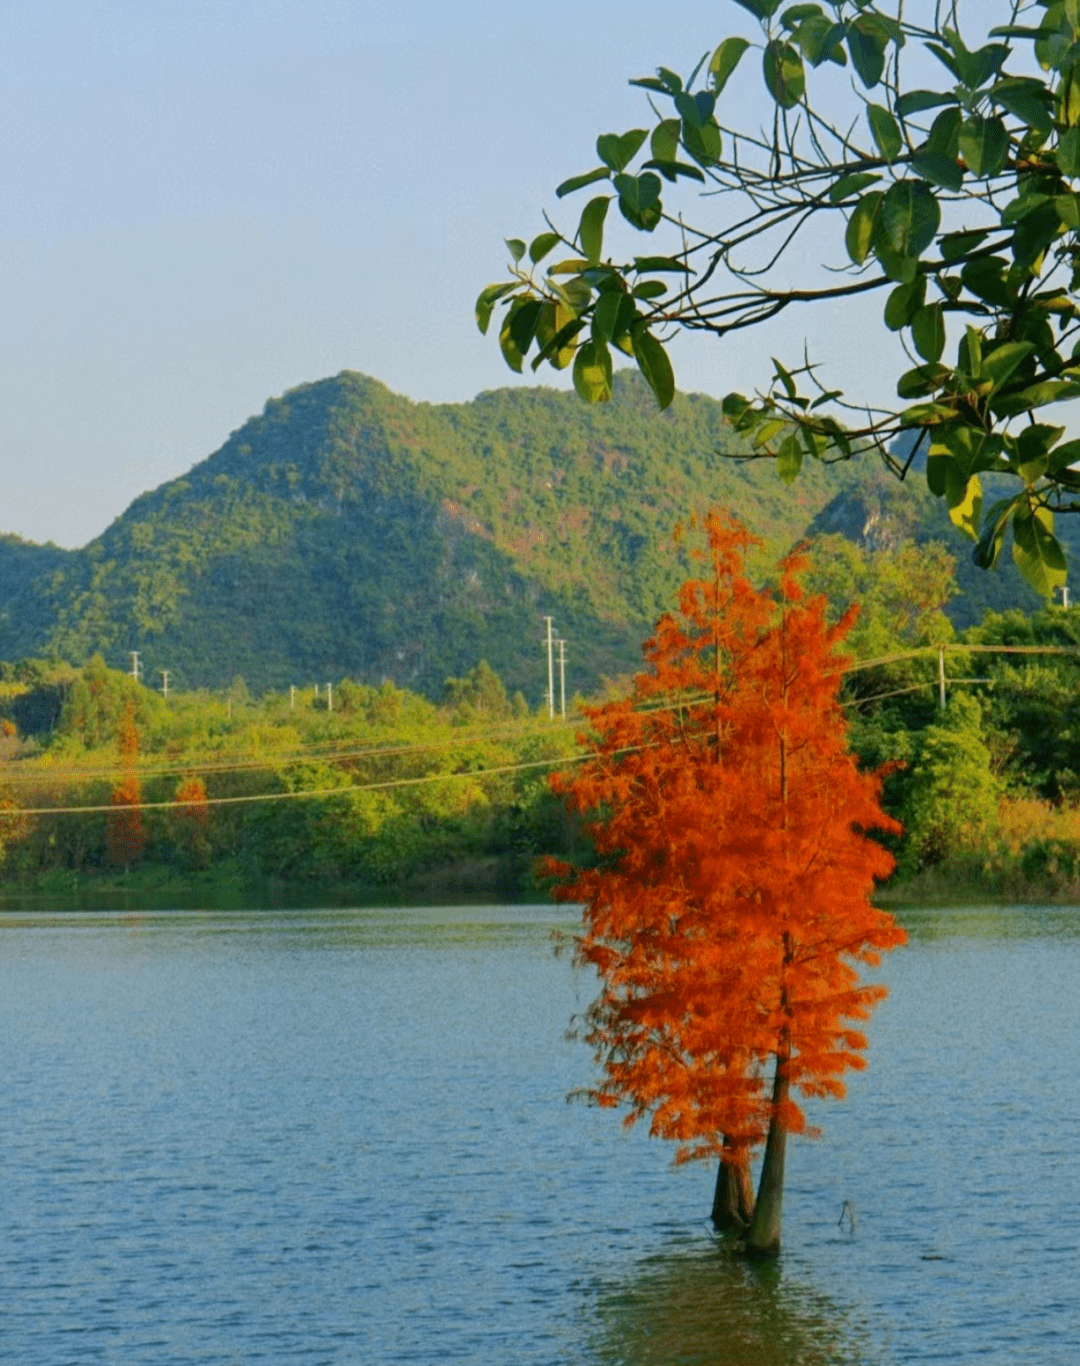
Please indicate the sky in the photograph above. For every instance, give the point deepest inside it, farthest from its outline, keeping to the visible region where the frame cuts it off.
(205, 205)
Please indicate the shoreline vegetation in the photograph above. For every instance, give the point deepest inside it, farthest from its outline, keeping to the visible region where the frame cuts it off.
(112, 794)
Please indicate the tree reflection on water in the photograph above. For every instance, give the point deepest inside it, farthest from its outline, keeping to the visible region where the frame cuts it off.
(707, 1306)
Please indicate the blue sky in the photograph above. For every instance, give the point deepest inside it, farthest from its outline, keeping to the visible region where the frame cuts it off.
(207, 204)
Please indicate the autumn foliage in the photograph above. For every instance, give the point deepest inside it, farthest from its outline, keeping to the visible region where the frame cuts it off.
(728, 915)
(125, 835)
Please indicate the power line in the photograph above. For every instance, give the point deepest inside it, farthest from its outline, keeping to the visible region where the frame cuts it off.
(16, 812)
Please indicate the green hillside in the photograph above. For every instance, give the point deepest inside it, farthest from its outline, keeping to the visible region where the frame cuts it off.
(347, 530)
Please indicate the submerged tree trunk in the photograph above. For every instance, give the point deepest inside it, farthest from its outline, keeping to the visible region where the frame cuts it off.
(763, 1236)
(733, 1199)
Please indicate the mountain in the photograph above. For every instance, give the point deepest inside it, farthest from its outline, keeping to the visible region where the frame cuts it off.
(347, 531)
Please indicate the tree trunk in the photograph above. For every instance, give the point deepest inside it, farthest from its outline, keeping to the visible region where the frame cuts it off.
(763, 1236)
(733, 1199)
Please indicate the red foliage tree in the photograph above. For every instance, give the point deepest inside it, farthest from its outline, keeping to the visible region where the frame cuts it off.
(728, 915)
(125, 836)
(190, 823)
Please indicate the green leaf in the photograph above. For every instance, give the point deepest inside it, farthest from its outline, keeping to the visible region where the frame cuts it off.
(1068, 210)
(704, 144)
(955, 245)
(664, 143)
(523, 322)
(976, 68)
(593, 372)
(985, 278)
(944, 135)
(789, 459)
(648, 264)
(651, 83)
(639, 193)
(909, 219)
(649, 289)
(578, 182)
(590, 231)
(862, 226)
(902, 269)
(970, 358)
(557, 348)
(573, 265)
(988, 549)
(541, 245)
(851, 184)
(1027, 99)
(784, 376)
(1036, 396)
(797, 13)
(939, 169)
(696, 110)
(928, 414)
(485, 304)
(509, 347)
(965, 512)
(1036, 550)
(785, 76)
(904, 302)
(1002, 362)
(928, 332)
(973, 449)
(1069, 152)
(984, 145)
(767, 431)
(516, 247)
(617, 152)
(941, 471)
(555, 331)
(923, 380)
(867, 45)
(818, 39)
(654, 364)
(886, 131)
(671, 170)
(1034, 233)
(630, 144)
(760, 9)
(613, 316)
(639, 199)
(724, 61)
(915, 101)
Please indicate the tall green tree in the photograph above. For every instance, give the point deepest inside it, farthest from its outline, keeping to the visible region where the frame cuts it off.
(952, 803)
(956, 200)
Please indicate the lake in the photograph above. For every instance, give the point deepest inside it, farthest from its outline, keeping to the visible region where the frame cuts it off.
(341, 1136)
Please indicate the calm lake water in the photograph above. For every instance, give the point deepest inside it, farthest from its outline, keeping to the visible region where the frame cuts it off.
(341, 1136)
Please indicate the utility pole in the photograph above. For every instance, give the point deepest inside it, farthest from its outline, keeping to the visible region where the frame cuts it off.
(329, 697)
(164, 683)
(136, 671)
(551, 671)
(941, 676)
(562, 675)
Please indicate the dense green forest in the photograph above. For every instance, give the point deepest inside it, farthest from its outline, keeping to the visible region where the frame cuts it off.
(347, 531)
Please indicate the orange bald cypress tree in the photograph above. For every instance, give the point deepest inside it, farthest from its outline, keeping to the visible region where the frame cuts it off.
(728, 915)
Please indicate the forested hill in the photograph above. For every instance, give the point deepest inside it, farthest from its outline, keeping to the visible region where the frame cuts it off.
(349, 531)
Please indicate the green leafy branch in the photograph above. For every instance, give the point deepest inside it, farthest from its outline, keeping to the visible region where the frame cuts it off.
(959, 203)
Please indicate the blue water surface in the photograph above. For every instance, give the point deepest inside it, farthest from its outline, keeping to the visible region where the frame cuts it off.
(341, 1136)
